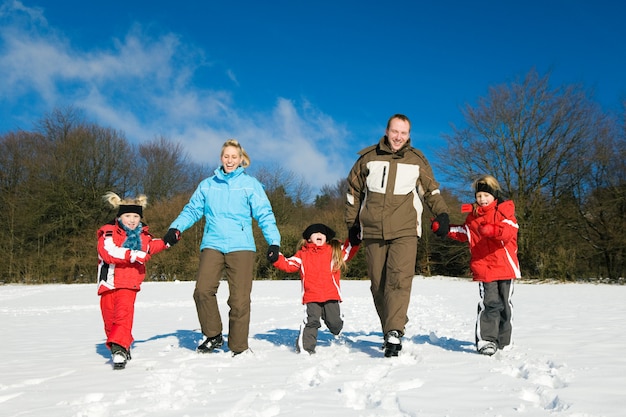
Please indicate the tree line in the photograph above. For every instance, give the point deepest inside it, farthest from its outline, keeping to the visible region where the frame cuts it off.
(557, 155)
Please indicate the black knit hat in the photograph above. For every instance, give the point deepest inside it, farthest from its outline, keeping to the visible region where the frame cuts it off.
(318, 228)
(130, 208)
(485, 188)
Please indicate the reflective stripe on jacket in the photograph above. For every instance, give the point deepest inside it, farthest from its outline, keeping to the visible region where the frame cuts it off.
(385, 192)
(319, 282)
(492, 259)
(116, 268)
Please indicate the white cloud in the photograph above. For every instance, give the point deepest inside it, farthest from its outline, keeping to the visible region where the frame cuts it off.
(141, 85)
(16, 10)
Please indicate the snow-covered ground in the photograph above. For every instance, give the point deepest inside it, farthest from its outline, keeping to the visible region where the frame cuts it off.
(568, 359)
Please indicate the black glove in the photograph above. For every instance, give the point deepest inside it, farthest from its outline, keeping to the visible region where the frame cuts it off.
(444, 224)
(272, 253)
(353, 235)
(171, 237)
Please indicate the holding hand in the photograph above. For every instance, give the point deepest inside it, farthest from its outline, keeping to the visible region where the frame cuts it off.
(441, 225)
(171, 237)
(354, 234)
(488, 230)
(272, 253)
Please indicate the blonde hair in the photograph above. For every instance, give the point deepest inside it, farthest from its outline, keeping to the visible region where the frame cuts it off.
(245, 159)
(490, 181)
(115, 201)
(338, 262)
(128, 205)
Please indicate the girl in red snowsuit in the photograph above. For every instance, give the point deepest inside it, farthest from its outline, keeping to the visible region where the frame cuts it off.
(319, 260)
(491, 230)
(124, 247)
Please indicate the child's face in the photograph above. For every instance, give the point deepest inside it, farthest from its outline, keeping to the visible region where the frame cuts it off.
(318, 238)
(484, 199)
(231, 159)
(130, 220)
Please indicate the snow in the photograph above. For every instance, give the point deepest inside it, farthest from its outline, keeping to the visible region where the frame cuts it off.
(567, 360)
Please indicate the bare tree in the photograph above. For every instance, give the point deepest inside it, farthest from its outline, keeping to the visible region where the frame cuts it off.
(15, 152)
(601, 201)
(286, 191)
(163, 170)
(531, 137)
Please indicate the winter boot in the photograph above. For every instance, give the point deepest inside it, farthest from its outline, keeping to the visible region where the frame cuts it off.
(393, 343)
(119, 355)
(488, 349)
(210, 344)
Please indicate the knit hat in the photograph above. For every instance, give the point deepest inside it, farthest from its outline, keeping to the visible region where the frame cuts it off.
(484, 187)
(130, 208)
(318, 228)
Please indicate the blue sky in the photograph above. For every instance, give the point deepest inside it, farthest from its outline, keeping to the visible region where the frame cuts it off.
(303, 85)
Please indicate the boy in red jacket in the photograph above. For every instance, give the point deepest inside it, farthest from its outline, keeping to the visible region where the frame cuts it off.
(320, 260)
(124, 247)
(491, 230)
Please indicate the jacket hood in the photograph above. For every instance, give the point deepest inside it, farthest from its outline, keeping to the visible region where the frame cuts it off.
(219, 172)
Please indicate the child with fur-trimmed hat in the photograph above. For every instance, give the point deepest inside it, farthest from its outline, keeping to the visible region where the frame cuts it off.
(491, 230)
(124, 247)
(320, 260)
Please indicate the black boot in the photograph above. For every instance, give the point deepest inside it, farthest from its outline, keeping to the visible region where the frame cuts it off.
(119, 355)
(210, 344)
(393, 343)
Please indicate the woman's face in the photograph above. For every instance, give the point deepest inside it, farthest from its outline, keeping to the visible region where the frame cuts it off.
(231, 159)
(484, 199)
(130, 220)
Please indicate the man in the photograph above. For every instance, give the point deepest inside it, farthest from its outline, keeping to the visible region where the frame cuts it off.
(386, 187)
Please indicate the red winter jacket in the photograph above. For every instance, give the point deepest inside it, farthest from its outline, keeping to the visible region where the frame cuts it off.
(120, 267)
(492, 258)
(319, 282)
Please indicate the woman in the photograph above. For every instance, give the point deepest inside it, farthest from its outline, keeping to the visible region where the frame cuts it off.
(228, 200)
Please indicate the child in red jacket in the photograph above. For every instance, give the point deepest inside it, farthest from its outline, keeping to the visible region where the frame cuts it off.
(491, 230)
(124, 247)
(320, 260)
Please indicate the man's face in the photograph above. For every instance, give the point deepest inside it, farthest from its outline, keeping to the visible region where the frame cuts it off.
(398, 133)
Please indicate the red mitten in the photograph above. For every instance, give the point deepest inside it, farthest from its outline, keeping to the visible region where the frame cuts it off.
(487, 230)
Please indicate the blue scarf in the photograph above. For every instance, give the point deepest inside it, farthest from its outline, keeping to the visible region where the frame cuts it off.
(133, 237)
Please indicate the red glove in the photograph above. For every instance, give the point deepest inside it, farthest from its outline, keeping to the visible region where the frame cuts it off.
(487, 230)
(441, 225)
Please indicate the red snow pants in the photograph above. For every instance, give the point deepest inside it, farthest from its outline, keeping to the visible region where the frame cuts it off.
(118, 311)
